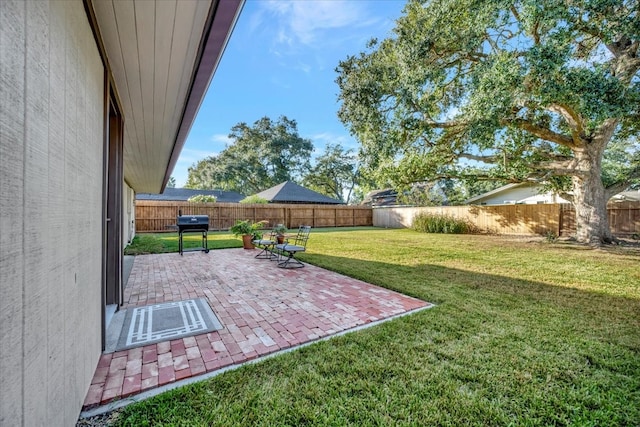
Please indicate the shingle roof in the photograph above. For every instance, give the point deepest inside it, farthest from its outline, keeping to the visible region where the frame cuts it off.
(290, 192)
(182, 194)
(382, 197)
(627, 196)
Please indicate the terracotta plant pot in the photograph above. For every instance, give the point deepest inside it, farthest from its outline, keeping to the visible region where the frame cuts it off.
(246, 241)
(280, 239)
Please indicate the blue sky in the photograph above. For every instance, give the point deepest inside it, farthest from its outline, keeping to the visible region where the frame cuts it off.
(281, 60)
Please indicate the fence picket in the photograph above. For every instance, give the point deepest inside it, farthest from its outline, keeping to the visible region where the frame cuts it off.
(559, 219)
(158, 216)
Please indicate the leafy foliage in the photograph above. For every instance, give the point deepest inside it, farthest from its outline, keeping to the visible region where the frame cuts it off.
(202, 198)
(334, 173)
(458, 191)
(501, 90)
(246, 227)
(620, 160)
(260, 157)
(254, 199)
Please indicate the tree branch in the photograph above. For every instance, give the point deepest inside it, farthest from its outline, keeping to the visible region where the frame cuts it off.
(562, 168)
(567, 196)
(542, 133)
(534, 33)
(571, 117)
(484, 159)
(515, 13)
(444, 125)
(620, 186)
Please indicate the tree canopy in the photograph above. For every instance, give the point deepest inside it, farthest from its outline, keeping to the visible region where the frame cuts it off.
(259, 157)
(334, 173)
(525, 90)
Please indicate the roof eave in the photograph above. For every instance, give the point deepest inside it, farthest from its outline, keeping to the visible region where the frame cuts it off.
(223, 16)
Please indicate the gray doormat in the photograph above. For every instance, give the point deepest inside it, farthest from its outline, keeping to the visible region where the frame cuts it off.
(167, 321)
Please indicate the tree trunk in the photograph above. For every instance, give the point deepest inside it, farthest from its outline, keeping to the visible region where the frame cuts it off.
(589, 198)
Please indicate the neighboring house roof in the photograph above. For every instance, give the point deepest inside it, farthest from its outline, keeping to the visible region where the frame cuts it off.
(627, 196)
(183, 194)
(524, 192)
(162, 58)
(290, 192)
(529, 193)
(481, 197)
(384, 197)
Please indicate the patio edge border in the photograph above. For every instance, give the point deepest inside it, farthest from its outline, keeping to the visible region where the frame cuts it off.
(112, 406)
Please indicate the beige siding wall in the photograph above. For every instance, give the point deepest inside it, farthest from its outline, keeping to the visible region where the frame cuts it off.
(128, 215)
(51, 148)
(529, 194)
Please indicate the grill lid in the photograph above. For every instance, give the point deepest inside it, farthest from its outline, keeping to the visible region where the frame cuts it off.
(198, 220)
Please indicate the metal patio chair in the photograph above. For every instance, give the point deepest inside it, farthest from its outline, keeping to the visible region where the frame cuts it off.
(289, 249)
(266, 244)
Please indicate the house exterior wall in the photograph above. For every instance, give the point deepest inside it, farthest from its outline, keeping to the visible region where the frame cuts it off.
(128, 215)
(51, 170)
(527, 194)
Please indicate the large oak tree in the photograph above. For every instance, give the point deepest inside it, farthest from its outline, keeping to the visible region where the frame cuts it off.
(533, 89)
(259, 157)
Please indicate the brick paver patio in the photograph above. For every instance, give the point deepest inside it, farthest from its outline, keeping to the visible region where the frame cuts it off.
(263, 309)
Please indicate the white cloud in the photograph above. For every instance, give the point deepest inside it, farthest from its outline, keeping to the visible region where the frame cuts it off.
(190, 155)
(221, 138)
(328, 137)
(304, 22)
(305, 68)
(276, 81)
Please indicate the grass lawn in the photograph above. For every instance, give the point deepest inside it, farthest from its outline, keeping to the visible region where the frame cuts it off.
(154, 243)
(524, 333)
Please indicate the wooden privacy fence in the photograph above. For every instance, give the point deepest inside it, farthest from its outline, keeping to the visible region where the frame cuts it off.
(155, 216)
(624, 219)
(559, 219)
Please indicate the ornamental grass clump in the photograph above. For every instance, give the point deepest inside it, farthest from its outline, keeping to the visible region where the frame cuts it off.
(438, 223)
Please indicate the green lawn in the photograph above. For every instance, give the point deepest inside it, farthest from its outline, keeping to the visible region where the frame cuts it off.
(153, 243)
(524, 333)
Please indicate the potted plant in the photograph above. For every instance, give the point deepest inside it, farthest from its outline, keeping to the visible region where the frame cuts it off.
(248, 230)
(280, 231)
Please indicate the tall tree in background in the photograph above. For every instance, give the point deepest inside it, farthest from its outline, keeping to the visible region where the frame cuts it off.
(334, 173)
(533, 89)
(259, 157)
(172, 182)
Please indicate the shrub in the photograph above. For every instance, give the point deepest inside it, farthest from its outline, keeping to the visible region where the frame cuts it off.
(246, 227)
(254, 199)
(433, 223)
(202, 198)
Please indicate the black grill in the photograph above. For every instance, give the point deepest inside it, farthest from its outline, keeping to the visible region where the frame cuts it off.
(193, 224)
